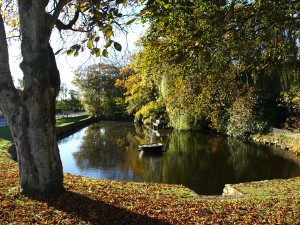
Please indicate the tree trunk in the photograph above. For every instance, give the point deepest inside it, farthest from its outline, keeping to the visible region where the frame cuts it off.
(33, 129)
(31, 114)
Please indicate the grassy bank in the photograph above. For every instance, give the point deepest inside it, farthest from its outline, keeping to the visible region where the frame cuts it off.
(70, 120)
(287, 141)
(92, 201)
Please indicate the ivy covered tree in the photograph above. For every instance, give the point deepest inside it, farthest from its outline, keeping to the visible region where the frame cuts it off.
(31, 114)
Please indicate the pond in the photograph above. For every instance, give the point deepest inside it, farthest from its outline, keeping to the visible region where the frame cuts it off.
(201, 162)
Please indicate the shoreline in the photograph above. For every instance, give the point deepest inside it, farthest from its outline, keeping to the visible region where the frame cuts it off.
(283, 139)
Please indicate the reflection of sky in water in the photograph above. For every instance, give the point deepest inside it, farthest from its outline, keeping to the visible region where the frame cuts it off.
(67, 146)
(102, 131)
(204, 163)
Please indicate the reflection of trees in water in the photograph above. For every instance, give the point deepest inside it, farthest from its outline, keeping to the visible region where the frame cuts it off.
(252, 161)
(202, 162)
(112, 146)
(205, 163)
(102, 146)
(246, 163)
(193, 159)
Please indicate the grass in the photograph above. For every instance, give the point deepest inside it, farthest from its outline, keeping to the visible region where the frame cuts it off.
(5, 142)
(290, 188)
(290, 142)
(70, 120)
(5, 134)
(93, 201)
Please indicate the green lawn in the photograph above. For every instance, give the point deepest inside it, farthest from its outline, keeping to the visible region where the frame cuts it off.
(5, 134)
(69, 120)
(5, 139)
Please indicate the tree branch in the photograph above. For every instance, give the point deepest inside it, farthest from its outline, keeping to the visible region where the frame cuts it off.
(61, 26)
(8, 92)
(53, 18)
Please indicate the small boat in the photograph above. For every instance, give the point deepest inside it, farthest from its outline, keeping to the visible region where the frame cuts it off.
(152, 148)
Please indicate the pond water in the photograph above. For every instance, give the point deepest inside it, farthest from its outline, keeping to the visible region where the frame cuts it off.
(201, 162)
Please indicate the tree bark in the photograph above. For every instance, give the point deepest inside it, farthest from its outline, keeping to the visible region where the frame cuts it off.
(31, 114)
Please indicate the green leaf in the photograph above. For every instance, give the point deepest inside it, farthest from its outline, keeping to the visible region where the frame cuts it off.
(70, 52)
(118, 2)
(116, 12)
(98, 53)
(75, 47)
(57, 52)
(89, 44)
(105, 53)
(107, 27)
(117, 46)
(97, 39)
(109, 33)
(76, 53)
(107, 44)
(131, 21)
(167, 6)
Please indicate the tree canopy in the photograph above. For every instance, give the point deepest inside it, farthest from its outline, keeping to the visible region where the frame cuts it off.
(206, 56)
(100, 97)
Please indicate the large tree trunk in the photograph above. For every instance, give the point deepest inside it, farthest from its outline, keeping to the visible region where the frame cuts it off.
(33, 130)
(31, 114)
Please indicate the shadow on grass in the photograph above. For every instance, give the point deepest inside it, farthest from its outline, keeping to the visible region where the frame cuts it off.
(5, 134)
(97, 212)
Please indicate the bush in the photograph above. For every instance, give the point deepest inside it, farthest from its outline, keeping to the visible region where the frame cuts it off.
(244, 116)
(151, 111)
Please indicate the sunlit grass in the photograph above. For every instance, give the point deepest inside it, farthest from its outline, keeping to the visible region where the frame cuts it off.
(70, 120)
(267, 188)
(289, 141)
(5, 142)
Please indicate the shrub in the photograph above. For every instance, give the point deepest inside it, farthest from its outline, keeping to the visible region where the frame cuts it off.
(244, 116)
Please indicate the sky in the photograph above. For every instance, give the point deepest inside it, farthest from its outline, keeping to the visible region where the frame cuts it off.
(68, 64)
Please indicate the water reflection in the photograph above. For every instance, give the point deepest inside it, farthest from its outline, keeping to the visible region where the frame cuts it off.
(204, 163)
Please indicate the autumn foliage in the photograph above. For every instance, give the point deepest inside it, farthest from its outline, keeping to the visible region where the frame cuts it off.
(91, 201)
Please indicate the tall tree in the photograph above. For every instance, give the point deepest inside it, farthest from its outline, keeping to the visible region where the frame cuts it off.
(31, 114)
(213, 48)
(99, 94)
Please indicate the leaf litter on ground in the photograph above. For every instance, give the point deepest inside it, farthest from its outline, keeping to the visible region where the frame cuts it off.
(93, 201)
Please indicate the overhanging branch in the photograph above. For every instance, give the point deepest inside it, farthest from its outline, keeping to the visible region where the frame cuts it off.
(61, 26)
(54, 17)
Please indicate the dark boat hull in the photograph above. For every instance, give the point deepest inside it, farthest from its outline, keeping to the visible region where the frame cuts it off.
(152, 148)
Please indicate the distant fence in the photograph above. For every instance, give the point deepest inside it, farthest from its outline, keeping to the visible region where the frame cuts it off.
(67, 114)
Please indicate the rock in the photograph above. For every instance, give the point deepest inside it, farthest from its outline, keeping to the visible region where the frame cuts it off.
(229, 191)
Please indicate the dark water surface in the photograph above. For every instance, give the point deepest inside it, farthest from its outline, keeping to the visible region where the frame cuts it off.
(204, 163)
